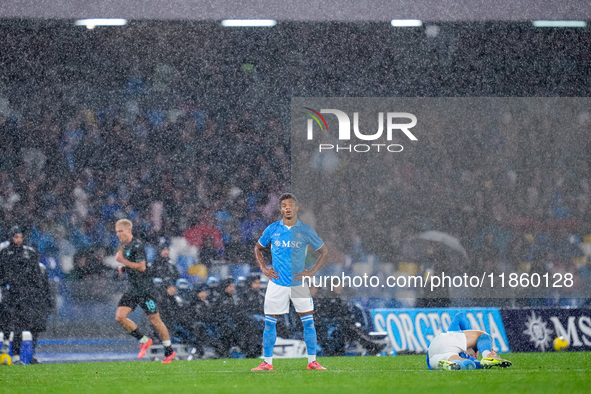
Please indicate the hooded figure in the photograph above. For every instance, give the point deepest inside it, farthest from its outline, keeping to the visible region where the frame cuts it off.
(253, 299)
(25, 289)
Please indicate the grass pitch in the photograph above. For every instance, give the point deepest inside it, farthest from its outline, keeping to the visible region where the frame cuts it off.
(532, 372)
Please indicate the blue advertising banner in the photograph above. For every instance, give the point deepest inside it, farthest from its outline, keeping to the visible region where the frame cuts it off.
(534, 330)
(411, 330)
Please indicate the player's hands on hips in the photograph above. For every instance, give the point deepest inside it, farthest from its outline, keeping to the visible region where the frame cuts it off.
(271, 273)
(304, 273)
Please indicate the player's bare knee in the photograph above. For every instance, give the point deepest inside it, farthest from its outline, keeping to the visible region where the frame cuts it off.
(120, 318)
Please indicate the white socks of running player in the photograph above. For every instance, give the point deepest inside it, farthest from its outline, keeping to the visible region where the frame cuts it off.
(146, 339)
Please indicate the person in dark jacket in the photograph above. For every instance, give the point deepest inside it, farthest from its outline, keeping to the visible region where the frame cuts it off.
(164, 274)
(227, 307)
(26, 292)
(252, 322)
(253, 299)
(339, 327)
(197, 316)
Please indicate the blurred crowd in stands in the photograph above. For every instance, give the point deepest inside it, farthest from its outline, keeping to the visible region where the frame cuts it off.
(200, 151)
(69, 189)
(515, 202)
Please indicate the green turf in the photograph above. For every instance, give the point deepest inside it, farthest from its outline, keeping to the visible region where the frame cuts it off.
(533, 372)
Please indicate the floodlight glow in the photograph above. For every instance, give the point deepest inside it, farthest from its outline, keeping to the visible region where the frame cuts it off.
(560, 24)
(92, 23)
(249, 22)
(406, 23)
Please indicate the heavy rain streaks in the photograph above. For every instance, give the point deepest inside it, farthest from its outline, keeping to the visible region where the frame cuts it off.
(189, 130)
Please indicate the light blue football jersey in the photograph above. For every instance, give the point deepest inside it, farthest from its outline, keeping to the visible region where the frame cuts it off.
(288, 249)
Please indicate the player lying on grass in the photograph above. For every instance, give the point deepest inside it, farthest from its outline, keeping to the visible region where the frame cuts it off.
(458, 348)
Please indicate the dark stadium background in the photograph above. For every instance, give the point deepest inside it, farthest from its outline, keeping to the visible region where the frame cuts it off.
(196, 116)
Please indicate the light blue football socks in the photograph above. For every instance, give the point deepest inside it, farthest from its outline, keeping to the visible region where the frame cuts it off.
(310, 336)
(269, 338)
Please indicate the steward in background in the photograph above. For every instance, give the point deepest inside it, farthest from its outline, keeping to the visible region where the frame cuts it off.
(26, 293)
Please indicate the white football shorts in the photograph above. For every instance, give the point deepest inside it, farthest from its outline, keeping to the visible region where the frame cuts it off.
(445, 345)
(277, 299)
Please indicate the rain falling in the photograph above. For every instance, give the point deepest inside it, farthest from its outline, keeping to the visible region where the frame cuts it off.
(165, 185)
